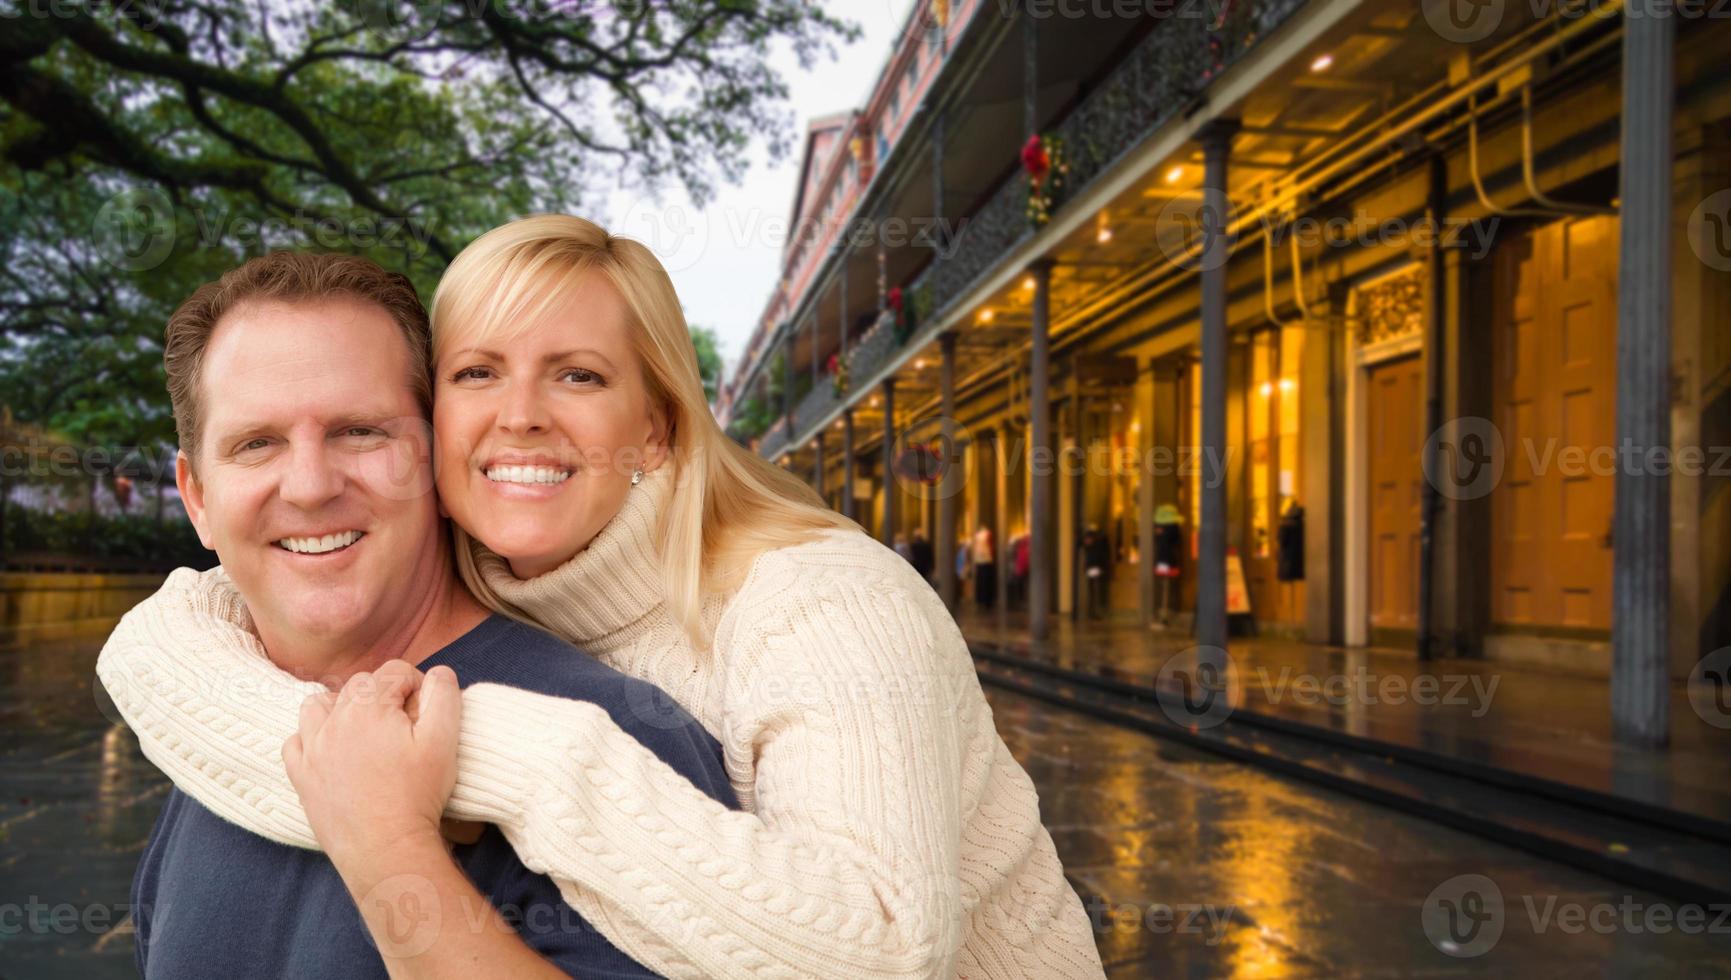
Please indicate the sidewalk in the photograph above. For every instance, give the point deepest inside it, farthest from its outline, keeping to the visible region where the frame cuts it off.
(1516, 719)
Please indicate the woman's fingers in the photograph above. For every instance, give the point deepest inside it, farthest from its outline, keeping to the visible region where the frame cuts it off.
(441, 710)
(314, 711)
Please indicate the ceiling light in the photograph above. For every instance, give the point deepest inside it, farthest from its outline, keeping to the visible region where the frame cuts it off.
(1322, 63)
(1174, 175)
(986, 315)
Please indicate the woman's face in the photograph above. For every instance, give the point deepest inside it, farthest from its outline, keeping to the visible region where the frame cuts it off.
(538, 435)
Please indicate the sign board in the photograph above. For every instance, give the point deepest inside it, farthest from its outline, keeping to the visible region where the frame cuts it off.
(1237, 593)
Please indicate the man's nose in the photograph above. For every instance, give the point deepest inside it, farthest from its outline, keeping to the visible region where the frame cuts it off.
(313, 477)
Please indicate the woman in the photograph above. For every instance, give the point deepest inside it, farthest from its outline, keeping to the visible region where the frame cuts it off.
(886, 832)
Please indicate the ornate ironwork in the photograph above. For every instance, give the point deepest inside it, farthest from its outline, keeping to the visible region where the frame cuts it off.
(1159, 79)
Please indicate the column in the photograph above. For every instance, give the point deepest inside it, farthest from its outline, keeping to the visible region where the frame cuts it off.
(849, 508)
(1147, 405)
(1042, 556)
(946, 543)
(1211, 560)
(787, 383)
(889, 476)
(817, 466)
(1641, 526)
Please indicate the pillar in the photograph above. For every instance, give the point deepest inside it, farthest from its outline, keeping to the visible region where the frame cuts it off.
(1211, 559)
(817, 467)
(1041, 552)
(889, 476)
(1641, 527)
(849, 508)
(946, 543)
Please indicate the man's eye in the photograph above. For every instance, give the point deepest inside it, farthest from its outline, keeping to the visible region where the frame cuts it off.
(252, 444)
(363, 431)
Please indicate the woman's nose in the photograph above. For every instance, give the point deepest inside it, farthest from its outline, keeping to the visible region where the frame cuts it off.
(522, 411)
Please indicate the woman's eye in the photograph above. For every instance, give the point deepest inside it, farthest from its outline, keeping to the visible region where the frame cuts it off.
(580, 376)
(471, 373)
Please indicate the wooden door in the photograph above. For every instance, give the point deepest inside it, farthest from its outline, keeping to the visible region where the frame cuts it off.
(1554, 337)
(1395, 429)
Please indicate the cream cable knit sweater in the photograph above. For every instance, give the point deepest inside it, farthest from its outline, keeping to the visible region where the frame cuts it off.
(886, 830)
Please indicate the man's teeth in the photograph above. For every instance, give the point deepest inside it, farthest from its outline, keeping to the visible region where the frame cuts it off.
(318, 546)
(527, 474)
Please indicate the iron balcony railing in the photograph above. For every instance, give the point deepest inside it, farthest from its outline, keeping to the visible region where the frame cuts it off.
(1154, 83)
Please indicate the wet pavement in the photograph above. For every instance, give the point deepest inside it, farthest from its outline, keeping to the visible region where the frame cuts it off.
(1529, 720)
(1191, 866)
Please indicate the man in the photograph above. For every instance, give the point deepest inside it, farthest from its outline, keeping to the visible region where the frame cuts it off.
(920, 554)
(985, 556)
(302, 401)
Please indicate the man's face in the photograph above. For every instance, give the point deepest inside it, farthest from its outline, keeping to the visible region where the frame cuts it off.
(314, 477)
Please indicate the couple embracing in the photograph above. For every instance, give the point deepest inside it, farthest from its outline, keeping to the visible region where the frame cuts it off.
(516, 665)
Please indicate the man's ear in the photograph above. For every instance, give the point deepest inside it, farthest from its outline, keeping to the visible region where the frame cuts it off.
(191, 496)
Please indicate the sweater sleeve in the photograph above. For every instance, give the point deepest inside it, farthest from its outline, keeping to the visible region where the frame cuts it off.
(841, 691)
(844, 697)
(190, 677)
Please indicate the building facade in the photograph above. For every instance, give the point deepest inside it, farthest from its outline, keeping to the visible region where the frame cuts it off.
(1390, 324)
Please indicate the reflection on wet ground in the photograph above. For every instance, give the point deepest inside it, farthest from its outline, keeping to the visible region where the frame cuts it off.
(1265, 877)
(1551, 724)
(77, 802)
(1191, 867)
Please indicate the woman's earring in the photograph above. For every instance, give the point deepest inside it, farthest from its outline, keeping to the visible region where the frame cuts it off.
(637, 476)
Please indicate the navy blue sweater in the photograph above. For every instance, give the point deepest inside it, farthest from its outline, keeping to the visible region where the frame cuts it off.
(213, 900)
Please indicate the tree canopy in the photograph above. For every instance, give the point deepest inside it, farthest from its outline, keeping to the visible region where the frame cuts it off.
(147, 145)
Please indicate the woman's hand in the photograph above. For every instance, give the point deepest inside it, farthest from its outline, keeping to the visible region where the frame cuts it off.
(372, 775)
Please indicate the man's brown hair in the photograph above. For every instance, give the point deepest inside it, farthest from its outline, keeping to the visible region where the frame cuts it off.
(285, 277)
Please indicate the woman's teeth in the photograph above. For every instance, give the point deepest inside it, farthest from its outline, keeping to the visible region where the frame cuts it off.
(527, 474)
(318, 546)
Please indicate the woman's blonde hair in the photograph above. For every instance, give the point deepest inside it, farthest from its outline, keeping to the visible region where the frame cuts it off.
(727, 505)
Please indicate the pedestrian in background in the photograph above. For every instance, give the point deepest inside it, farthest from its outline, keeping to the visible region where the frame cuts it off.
(985, 568)
(920, 553)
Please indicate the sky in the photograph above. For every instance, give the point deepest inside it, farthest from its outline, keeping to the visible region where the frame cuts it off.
(725, 258)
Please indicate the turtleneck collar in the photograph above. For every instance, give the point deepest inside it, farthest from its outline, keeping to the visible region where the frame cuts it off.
(602, 589)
